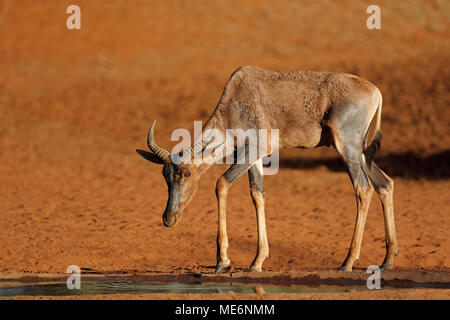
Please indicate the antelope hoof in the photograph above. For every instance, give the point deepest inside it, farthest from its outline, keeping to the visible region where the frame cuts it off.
(386, 267)
(221, 266)
(344, 268)
(253, 269)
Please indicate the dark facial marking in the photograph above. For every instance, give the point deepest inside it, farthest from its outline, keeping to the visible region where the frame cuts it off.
(173, 179)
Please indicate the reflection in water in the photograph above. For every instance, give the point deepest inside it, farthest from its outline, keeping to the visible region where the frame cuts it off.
(114, 287)
(259, 289)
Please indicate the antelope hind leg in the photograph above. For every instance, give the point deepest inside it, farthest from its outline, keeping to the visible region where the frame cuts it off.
(384, 186)
(363, 193)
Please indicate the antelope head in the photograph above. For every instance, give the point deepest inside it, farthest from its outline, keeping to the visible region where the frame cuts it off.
(182, 179)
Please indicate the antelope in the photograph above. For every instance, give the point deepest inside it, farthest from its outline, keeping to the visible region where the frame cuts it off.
(310, 109)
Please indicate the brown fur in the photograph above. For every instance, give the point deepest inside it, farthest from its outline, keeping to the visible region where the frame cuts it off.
(297, 103)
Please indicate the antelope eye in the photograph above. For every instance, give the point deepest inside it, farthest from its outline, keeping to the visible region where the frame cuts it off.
(187, 174)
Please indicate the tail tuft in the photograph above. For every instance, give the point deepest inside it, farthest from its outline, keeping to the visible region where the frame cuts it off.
(372, 148)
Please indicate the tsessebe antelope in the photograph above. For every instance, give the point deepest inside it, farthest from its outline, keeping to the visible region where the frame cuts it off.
(309, 109)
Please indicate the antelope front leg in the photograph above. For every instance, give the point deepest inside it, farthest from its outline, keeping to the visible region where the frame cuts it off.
(255, 176)
(222, 237)
(223, 184)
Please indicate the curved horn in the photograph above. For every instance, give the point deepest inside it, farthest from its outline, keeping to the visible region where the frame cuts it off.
(163, 154)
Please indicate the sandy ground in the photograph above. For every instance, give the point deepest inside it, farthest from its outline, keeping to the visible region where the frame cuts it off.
(397, 294)
(75, 105)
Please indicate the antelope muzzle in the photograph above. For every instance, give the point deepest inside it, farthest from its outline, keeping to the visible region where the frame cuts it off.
(172, 214)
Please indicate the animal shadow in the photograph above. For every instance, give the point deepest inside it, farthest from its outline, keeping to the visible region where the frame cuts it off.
(404, 165)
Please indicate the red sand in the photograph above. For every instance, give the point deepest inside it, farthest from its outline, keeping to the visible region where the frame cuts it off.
(75, 105)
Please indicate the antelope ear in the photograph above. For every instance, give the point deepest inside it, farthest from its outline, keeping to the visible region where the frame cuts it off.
(150, 156)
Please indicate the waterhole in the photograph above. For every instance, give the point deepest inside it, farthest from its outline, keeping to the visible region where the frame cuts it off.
(129, 287)
(196, 283)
